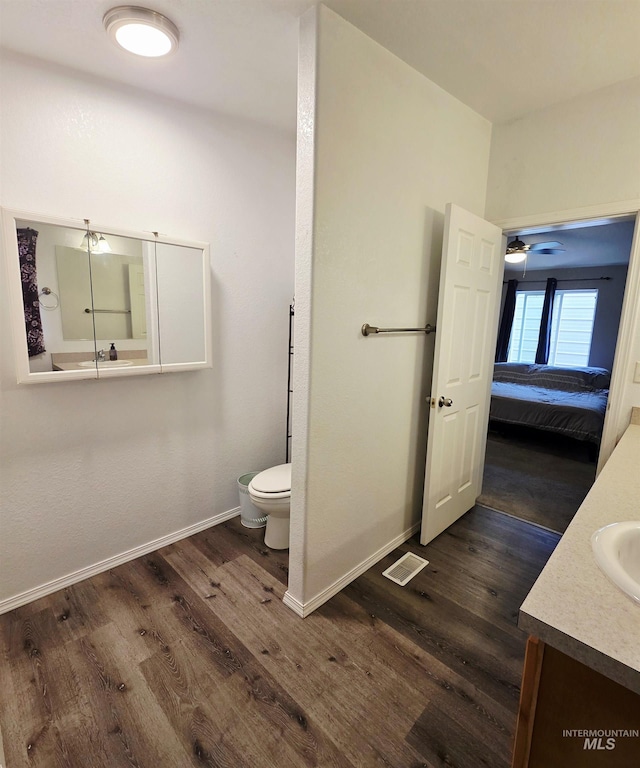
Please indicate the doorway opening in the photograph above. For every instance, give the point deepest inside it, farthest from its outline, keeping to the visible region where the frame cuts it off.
(548, 407)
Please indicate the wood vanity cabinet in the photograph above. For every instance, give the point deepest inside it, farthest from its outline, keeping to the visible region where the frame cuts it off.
(561, 695)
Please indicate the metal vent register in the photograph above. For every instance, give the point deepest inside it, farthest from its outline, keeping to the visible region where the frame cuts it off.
(405, 568)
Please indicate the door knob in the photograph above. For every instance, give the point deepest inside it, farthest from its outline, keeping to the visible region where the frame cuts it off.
(446, 401)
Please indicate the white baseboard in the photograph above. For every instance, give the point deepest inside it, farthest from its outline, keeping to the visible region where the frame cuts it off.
(104, 565)
(304, 609)
(295, 605)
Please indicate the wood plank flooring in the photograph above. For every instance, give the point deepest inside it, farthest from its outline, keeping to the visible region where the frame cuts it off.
(188, 657)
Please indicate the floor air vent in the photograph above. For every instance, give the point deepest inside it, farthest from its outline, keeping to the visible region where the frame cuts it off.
(405, 568)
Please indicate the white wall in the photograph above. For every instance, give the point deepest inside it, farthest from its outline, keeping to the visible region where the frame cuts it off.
(582, 154)
(381, 151)
(90, 470)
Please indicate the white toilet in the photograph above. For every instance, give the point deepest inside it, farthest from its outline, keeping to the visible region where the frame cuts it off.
(270, 491)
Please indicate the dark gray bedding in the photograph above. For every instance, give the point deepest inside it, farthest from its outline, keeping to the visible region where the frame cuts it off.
(567, 401)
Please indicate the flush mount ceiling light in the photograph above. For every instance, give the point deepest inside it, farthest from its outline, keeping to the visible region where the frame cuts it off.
(141, 31)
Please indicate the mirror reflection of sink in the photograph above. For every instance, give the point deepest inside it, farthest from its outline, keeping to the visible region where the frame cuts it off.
(105, 363)
(616, 548)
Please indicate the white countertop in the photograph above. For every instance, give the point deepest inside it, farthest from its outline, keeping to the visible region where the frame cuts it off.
(573, 606)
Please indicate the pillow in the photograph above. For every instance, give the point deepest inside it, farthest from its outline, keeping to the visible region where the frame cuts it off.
(553, 377)
(512, 373)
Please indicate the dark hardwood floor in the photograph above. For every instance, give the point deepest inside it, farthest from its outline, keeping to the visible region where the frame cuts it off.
(188, 657)
(537, 476)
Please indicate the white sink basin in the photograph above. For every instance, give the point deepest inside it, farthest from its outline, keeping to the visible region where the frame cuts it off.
(105, 363)
(616, 548)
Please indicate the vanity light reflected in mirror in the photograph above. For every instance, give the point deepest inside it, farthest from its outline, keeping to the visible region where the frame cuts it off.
(95, 242)
(77, 290)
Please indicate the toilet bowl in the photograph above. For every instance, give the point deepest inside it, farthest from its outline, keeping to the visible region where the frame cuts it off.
(270, 491)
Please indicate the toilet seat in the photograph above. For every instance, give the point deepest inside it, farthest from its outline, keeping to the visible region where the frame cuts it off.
(273, 483)
(267, 496)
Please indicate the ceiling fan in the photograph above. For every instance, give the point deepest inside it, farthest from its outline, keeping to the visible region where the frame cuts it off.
(517, 251)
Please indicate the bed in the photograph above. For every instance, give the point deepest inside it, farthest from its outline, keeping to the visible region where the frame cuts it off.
(569, 401)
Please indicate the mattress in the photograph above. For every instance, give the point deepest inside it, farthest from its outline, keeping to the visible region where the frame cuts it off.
(576, 414)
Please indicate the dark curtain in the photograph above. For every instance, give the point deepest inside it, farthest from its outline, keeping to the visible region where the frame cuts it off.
(544, 337)
(33, 323)
(504, 334)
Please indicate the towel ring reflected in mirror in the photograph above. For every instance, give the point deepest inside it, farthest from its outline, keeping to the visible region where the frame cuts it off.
(48, 292)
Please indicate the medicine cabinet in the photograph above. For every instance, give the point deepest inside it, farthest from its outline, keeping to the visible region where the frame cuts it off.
(89, 301)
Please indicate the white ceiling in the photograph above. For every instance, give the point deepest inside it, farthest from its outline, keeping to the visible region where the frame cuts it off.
(503, 58)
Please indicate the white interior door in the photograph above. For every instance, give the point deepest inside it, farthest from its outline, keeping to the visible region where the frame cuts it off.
(468, 306)
(138, 301)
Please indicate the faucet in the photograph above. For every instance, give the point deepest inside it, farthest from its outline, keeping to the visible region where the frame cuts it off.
(100, 358)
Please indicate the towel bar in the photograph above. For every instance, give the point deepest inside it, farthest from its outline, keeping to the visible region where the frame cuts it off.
(369, 329)
(108, 311)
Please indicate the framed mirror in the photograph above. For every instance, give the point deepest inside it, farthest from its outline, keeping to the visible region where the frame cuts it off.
(93, 302)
